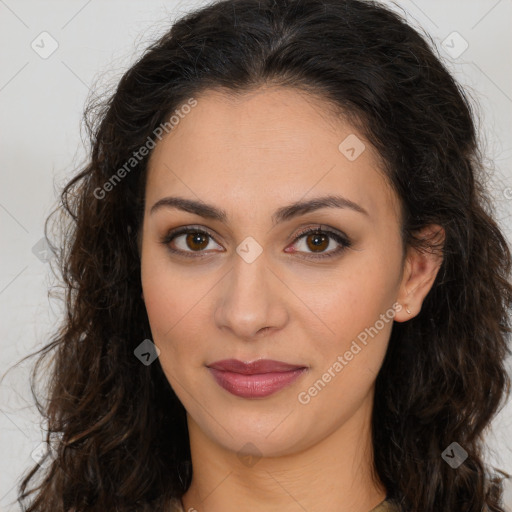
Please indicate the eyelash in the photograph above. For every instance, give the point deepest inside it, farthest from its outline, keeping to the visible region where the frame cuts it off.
(344, 241)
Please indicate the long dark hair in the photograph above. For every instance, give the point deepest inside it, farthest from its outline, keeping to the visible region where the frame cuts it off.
(443, 378)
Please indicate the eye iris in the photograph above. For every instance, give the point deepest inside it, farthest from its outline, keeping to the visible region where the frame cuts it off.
(317, 244)
(193, 238)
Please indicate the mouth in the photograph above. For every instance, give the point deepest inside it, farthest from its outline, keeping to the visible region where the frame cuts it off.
(257, 379)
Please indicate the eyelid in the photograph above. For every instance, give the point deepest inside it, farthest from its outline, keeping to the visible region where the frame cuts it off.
(344, 242)
(184, 230)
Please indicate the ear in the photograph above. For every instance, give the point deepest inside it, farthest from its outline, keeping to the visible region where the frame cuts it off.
(420, 270)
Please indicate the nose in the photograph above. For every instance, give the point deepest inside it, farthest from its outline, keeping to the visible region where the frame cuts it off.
(252, 300)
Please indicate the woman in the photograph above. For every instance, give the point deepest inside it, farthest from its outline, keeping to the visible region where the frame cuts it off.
(285, 285)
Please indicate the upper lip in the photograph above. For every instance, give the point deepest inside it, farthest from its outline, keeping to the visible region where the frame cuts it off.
(253, 367)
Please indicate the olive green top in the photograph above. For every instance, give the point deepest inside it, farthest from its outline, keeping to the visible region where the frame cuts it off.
(384, 506)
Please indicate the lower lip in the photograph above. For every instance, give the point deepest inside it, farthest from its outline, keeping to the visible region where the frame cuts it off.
(255, 386)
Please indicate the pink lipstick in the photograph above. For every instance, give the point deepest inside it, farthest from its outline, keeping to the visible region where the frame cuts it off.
(256, 379)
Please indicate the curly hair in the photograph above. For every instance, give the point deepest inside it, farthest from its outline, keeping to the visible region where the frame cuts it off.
(443, 377)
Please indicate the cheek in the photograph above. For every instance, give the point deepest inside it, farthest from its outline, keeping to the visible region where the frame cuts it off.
(173, 305)
(175, 324)
(363, 289)
(346, 361)
(160, 298)
(169, 292)
(357, 309)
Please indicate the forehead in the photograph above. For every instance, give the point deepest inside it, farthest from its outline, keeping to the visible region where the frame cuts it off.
(269, 143)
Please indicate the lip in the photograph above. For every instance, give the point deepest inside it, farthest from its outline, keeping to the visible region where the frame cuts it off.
(256, 379)
(253, 367)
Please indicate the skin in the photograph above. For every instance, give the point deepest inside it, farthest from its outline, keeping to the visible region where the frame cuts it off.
(251, 155)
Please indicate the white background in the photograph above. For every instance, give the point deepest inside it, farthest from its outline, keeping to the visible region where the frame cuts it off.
(41, 107)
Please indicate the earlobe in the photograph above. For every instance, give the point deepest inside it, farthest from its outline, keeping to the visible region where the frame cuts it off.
(420, 271)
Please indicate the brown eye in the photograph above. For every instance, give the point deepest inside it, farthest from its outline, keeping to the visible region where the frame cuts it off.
(317, 242)
(196, 241)
(187, 241)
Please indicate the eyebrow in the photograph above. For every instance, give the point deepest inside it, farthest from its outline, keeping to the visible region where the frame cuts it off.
(280, 215)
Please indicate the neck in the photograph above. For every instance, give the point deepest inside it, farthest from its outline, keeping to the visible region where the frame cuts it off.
(333, 475)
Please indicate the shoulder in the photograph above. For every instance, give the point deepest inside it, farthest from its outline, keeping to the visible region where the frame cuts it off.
(385, 506)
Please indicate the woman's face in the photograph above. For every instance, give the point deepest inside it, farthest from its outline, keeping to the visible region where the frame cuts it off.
(254, 287)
